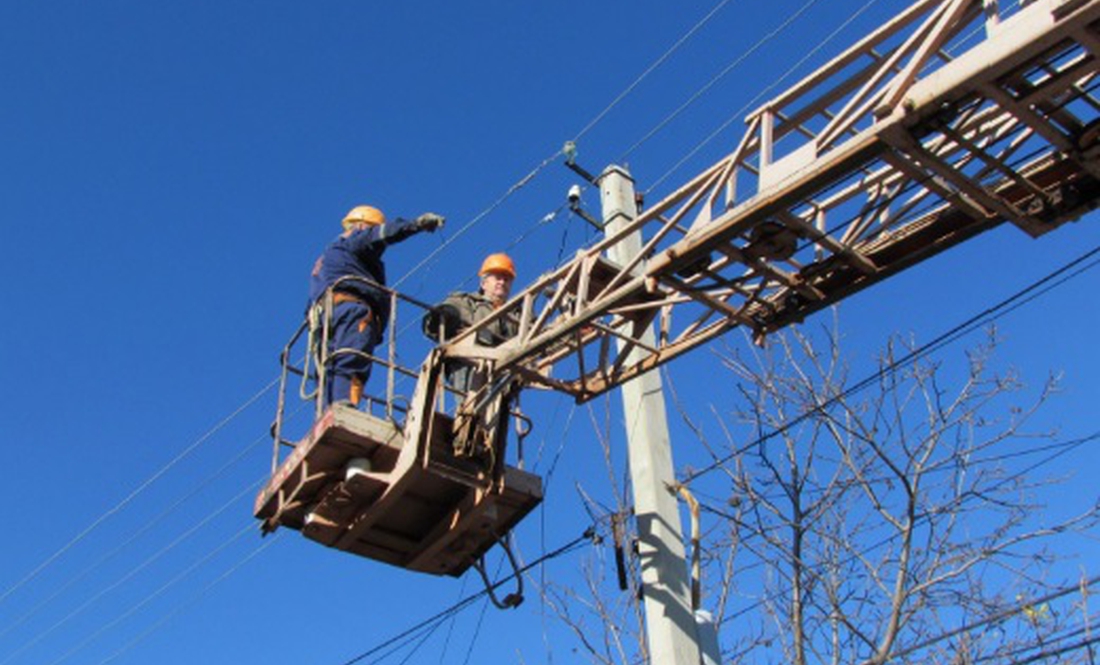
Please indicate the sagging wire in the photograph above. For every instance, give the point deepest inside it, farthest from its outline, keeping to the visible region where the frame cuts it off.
(137, 491)
(131, 573)
(657, 63)
(1034, 290)
(751, 103)
(588, 535)
(152, 596)
(146, 527)
(431, 258)
(195, 598)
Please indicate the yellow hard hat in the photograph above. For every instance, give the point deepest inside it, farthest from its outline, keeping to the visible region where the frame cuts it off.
(498, 263)
(365, 215)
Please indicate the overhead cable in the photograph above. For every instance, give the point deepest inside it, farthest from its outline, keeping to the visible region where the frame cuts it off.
(996, 617)
(752, 102)
(145, 527)
(656, 63)
(453, 609)
(195, 598)
(136, 492)
(431, 257)
(480, 216)
(1034, 290)
(130, 574)
(152, 596)
(956, 504)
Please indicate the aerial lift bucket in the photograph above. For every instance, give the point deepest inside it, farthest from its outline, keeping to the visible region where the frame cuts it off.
(403, 496)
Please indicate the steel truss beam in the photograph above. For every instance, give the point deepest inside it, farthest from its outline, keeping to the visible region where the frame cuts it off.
(949, 120)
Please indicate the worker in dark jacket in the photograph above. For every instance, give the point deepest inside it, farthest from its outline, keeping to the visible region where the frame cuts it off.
(360, 309)
(461, 310)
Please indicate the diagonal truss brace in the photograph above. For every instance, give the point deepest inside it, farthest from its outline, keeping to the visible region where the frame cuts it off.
(952, 118)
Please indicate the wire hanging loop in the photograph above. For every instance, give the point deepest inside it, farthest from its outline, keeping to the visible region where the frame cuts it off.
(522, 426)
(513, 599)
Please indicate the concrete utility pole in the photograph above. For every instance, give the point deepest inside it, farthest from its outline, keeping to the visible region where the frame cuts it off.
(670, 623)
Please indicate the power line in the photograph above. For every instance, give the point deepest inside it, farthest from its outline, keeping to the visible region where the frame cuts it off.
(752, 102)
(431, 258)
(522, 182)
(657, 63)
(1058, 449)
(1036, 289)
(133, 572)
(152, 596)
(195, 598)
(957, 503)
(454, 609)
(136, 492)
(1040, 287)
(999, 616)
(145, 528)
(729, 68)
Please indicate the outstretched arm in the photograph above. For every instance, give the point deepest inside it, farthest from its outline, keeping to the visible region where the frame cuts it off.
(400, 229)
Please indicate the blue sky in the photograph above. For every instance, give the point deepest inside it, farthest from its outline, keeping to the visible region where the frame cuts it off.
(169, 173)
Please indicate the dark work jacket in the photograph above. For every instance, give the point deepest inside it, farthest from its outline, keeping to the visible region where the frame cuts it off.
(359, 255)
(457, 313)
(462, 310)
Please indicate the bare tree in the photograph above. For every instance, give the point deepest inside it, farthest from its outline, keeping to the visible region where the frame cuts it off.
(894, 520)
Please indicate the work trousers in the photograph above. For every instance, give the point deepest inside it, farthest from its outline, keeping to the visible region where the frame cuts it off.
(353, 336)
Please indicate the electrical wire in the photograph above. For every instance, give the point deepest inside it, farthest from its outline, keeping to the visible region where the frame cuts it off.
(136, 492)
(994, 618)
(927, 348)
(452, 623)
(1059, 449)
(152, 596)
(649, 70)
(741, 58)
(751, 103)
(1070, 270)
(515, 187)
(145, 528)
(463, 230)
(195, 598)
(130, 574)
(957, 504)
(432, 257)
(1027, 295)
(468, 600)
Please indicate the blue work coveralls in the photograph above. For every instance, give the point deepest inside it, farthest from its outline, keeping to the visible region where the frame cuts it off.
(361, 311)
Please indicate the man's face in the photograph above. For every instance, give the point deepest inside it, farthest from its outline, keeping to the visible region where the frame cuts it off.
(496, 286)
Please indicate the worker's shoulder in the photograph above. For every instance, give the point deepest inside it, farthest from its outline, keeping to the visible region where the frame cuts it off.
(467, 296)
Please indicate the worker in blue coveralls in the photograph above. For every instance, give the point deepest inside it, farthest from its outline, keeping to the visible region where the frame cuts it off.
(360, 310)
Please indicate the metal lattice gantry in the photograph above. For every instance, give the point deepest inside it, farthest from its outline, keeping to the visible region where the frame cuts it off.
(950, 119)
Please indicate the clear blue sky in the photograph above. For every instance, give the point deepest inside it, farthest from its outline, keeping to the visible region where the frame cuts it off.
(171, 170)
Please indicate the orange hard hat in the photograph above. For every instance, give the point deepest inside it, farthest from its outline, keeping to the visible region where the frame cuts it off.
(364, 215)
(498, 263)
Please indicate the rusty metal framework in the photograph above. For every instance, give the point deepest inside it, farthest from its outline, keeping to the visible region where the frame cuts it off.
(954, 117)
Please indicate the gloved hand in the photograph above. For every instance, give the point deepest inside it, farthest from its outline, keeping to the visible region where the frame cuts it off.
(442, 316)
(429, 221)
